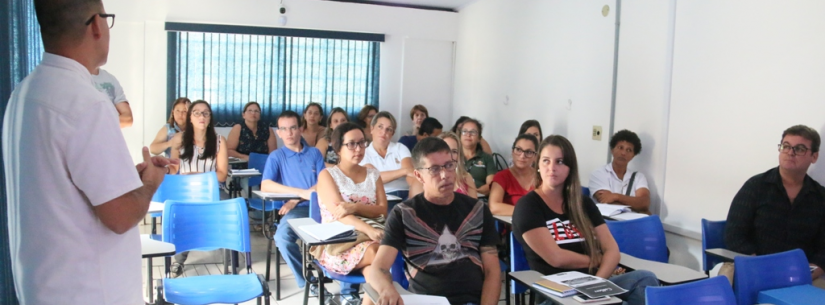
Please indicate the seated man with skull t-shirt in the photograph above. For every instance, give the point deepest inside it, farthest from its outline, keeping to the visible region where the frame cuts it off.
(448, 239)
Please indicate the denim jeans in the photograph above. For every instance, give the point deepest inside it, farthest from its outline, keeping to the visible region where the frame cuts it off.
(286, 241)
(634, 282)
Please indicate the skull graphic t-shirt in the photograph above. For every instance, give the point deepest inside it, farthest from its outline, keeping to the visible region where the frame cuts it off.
(441, 243)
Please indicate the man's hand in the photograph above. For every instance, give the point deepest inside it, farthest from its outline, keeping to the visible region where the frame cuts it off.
(152, 169)
(389, 296)
(306, 194)
(288, 206)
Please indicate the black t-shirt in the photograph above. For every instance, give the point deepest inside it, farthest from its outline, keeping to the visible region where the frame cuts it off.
(442, 242)
(531, 212)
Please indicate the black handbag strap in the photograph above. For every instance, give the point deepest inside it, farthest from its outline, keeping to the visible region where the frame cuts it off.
(630, 185)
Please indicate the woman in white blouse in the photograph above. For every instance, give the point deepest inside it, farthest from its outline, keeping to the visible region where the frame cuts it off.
(392, 159)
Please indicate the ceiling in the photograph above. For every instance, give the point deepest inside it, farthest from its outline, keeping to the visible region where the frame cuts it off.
(442, 4)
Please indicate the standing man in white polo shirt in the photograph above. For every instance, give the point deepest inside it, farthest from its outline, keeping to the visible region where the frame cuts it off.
(74, 198)
(613, 184)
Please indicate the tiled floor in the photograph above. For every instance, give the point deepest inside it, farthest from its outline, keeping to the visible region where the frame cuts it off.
(204, 263)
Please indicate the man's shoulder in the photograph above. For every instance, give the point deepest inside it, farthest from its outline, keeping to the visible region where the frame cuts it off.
(60, 91)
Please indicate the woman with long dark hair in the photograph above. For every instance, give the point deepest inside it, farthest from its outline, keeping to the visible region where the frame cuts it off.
(311, 123)
(562, 230)
(201, 149)
(364, 119)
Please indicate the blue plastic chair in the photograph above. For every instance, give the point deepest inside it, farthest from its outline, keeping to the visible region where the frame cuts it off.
(586, 191)
(712, 291)
(518, 262)
(258, 161)
(643, 237)
(206, 226)
(752, 274)
(713, 236)
(195, 187)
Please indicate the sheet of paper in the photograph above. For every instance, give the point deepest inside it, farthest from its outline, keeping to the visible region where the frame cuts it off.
(420, 299)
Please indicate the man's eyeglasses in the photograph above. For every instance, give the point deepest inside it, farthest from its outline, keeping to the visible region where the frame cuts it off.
(204, 114)
(353, 145)
(525, 153)
(435, 170)
(797, 150)
(110, 19)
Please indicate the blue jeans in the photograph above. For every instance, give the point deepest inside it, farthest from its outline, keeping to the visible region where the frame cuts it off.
(286, 241)
(634, 282)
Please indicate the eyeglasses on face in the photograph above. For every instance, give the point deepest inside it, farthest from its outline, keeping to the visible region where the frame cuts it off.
(471, 132)
(435, 170)
(352, 145)
(110, 19)
(525, 153)
(198, 114)
(797, 150)
(253, 111)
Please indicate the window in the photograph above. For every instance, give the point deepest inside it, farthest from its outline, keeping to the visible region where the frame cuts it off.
(279, 72)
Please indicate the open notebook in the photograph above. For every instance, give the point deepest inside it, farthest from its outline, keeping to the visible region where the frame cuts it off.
(329, 231)
(610, 210)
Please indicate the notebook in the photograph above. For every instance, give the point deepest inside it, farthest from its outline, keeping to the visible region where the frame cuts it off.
(420, 299)
(329, 231)
(610, 210)
(245, 171)
(569, 283)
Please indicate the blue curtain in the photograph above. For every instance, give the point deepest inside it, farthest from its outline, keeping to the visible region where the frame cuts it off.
(280, 73)
(22, 50)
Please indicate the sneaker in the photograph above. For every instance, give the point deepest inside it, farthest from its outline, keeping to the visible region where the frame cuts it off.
(176, 270)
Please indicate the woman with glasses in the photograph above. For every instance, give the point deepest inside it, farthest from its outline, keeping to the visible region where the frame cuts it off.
(463, 185)
(392, 159)
(351, 194)
(364, 119)
(613, 184)
(484, 145)
(511, 184)
(177, 123)
(562, 230)
(311, 123)
(479, 164)
(252, 136)
(337, 117)
(201, 149)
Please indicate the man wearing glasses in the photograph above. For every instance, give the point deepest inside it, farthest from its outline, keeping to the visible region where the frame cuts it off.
(292, 169)
(782, 209)
(448, 239)
(74, 195)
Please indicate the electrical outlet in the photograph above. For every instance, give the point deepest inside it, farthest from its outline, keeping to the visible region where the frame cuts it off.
(597, 133)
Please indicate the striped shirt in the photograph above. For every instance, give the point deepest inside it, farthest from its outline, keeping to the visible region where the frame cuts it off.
(197, 164)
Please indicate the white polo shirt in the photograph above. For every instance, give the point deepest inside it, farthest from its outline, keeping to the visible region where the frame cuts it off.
(396, 152)
(107, 83)
(64, 153)
(605, 179)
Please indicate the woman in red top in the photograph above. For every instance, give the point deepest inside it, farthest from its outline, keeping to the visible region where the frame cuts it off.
(518, 180)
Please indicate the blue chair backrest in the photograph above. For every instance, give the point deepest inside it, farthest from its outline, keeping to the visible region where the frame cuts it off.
(314, 208)
(194, 187)
(518, 262)
(712, 291)
(713, 236)
(206, 226)
(643, 237)
(753, 274)
(257, 161)
(586, 191)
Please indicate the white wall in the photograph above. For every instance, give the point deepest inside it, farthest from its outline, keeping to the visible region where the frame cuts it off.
(149, 91)
(529, 59)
